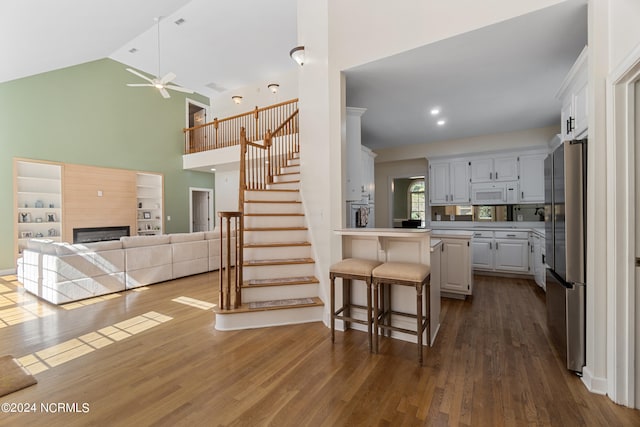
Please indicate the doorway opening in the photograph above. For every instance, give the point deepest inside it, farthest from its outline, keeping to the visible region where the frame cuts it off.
(196, 113)
(200, 209)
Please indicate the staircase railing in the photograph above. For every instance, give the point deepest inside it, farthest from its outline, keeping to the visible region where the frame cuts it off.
(260, 161)
(221, 133)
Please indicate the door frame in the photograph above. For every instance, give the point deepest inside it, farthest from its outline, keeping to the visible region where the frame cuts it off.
(188, 101)
(622, 132)
(211, 225)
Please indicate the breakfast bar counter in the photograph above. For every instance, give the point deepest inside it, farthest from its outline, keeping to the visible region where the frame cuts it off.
(391, 245)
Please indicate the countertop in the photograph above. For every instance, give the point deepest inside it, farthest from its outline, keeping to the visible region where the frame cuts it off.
(384, 232)
(452, 233)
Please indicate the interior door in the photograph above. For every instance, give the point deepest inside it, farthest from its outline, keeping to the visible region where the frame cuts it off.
(200, 209)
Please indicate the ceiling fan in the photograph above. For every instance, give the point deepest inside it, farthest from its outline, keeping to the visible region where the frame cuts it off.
(162, 84)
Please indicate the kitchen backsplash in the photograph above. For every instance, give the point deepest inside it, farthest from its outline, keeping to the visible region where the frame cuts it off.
(495, 213)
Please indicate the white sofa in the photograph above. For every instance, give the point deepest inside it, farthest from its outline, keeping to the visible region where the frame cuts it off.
(63, 272)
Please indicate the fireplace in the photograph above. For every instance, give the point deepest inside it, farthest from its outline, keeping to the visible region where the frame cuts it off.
(99, 234)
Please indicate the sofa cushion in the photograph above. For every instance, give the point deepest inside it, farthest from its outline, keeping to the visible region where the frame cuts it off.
(186, 237)
(140, 241)
(67, 249)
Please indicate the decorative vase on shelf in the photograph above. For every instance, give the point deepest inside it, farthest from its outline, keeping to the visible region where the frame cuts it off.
(39, 204)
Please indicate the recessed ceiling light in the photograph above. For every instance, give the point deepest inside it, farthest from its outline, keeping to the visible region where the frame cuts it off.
(213, 169)
(441, 122)
(435, 111)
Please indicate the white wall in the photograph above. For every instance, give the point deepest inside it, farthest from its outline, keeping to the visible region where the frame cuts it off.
(226, 194)
(520, 140)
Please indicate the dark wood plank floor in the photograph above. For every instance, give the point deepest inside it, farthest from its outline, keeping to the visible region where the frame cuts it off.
(492, 365)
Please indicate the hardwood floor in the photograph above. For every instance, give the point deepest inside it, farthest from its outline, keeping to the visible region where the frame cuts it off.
(492, 365)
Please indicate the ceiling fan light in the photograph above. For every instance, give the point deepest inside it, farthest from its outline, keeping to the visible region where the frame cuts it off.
(158, 86)
(237, 99)
(297, 54)
(273, 87)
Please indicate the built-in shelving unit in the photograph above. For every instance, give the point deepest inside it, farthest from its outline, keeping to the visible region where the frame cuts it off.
(150, 203)
(38, 198)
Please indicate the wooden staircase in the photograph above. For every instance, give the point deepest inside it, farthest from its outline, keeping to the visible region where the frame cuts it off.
(279, 284)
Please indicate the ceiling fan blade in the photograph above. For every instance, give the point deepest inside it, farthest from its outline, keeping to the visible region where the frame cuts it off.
(178, 88)
(167, 78)
(164, 93)
(131, 70)
(138, 84)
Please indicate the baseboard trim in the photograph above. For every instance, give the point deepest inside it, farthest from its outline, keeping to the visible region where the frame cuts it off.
(594, 384)
(7, 272)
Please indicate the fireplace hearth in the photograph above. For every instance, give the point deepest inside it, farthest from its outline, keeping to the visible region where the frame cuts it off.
(99, 234)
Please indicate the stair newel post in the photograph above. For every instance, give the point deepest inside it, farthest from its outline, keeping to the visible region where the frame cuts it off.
(226, 235)
(215, 126)
(256, 130)
(239, 258)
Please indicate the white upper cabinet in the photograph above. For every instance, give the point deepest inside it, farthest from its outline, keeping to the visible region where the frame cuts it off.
(573, 95)
(449, 182)
(496, 169)
(532, 178)
(354, 185)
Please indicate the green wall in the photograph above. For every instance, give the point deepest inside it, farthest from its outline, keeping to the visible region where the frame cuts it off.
(86, 114)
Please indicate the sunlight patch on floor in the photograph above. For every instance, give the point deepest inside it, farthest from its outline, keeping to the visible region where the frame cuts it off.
(202, 305)
(76, 347)
(85, 302)
(140, 289)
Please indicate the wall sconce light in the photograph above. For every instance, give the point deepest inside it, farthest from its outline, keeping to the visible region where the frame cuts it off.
(273, 87)
(237, 99)
(297, 54)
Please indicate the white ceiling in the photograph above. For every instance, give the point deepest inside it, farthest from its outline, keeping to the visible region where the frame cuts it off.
(225, 43)
(500, 78)
(496, 79)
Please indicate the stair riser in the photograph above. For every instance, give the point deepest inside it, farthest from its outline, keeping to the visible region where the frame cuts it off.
(262, 319)
(280, 252)
(284, 186)
(288, 177)
(273, 221)
(293, 162)
(277, 271)
(272, 208)
(272, 195)
(269, 293)
(275, 236)
(290, 169)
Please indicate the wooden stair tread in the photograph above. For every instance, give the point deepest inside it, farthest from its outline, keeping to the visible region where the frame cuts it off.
(272, 201)
(274, 214)
(287, 173)
(275, 229)
(277, 305)
(257, 283)
(277, 261)
(296, 181)
(275, 189)
(275, 244)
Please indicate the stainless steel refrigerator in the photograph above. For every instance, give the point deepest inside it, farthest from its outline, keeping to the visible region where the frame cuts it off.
(565, 226)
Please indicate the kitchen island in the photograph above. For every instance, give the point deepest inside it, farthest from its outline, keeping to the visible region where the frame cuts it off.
(391, 245)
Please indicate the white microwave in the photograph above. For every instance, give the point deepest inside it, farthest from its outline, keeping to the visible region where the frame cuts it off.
(498, 193)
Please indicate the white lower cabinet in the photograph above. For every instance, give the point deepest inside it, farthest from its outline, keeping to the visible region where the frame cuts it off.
(512, 255)
(455, 273)
(537, 265)
(501, 251)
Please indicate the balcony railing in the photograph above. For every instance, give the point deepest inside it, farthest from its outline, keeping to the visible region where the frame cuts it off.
(221, 133)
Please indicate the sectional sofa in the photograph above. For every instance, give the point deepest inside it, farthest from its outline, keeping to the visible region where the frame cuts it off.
(64, 272)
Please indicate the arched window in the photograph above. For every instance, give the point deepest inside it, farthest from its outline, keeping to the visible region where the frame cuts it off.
(416, 200)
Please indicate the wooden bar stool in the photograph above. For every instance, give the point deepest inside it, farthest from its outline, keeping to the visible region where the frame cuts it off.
(404, 274)
(351, 269)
